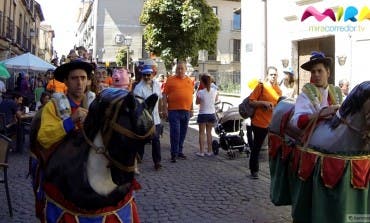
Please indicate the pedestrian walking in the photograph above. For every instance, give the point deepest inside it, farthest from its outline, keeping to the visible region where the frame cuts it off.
(206, 99)
(178, 107)
(264, 98)
(146, 87)
(288, 84)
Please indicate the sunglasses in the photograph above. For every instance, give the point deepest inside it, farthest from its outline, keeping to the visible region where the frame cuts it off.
(147, 74)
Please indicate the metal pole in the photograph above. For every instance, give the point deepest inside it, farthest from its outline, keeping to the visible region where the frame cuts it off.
(128, 50)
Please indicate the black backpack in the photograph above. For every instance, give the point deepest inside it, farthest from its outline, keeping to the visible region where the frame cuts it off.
(246, 110)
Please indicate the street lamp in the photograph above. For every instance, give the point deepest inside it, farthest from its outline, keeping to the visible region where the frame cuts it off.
(127, 42)
(202, 58)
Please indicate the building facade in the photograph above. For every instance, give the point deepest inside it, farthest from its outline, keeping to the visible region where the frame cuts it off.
(19, 27)
(104, 26)
(286, 38)
(227, 57)
(46, 37)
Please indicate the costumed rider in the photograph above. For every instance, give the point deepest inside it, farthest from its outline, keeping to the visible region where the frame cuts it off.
(317, 97)
(65, 113)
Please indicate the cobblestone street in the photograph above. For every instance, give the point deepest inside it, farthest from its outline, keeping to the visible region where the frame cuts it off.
(199, 189)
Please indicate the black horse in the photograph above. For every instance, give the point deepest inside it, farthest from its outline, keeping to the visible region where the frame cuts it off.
(94, 168)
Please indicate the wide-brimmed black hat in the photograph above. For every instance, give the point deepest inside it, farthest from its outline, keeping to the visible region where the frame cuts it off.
(62, 71)
(316, 57)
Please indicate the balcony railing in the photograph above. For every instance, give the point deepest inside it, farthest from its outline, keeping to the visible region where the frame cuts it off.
(8, 28)
(228, 82)
(19, 36)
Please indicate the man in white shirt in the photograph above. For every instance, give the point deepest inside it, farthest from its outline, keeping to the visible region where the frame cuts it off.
(146, 87)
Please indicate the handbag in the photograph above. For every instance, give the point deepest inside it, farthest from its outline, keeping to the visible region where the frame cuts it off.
(246, 110)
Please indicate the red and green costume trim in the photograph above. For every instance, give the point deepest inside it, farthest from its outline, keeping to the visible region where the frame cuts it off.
(321, 187)
(59, 210)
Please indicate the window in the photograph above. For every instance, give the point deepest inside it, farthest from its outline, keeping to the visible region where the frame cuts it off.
(215, 10)
(212, 56)
(20, 21)
(236, 20)
(236, 50)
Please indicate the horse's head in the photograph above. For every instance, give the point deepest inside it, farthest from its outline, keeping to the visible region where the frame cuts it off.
(355, 112)
(124, 122)
(356, 106)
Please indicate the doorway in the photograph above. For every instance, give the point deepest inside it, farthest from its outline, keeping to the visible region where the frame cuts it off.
(305, 47)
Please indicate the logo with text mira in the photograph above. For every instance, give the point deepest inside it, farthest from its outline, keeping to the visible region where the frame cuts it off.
(349, 14)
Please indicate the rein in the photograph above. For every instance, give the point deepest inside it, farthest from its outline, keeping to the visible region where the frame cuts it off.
(121, 130)
(103, 150)
(365, 134)
(310, 127)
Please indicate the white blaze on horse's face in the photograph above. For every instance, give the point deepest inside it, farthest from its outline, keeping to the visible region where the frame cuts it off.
(98, 173)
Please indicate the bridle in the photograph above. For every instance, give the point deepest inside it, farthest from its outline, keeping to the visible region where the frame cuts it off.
(111, 125)
(365, 134)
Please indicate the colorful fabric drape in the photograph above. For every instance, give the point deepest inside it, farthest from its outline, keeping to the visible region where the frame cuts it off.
(322, 188)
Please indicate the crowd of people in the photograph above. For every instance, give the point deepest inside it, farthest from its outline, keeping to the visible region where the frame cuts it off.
(318, 99)
(78, 82)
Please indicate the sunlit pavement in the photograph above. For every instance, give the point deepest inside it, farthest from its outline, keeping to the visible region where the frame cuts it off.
(199, 189)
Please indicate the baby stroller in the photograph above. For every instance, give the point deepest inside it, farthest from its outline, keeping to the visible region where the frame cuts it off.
(229, 129)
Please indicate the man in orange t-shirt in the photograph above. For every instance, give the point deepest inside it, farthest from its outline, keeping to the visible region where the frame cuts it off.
(178, 107)
(54, 86)
(264, 98)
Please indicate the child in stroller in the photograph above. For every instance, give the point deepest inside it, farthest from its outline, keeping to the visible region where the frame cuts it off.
(229, 129)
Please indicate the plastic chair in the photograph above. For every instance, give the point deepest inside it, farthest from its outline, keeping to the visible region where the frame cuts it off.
(4, 150)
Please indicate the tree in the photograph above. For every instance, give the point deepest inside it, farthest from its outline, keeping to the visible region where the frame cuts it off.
(121, 57)
(179, 28)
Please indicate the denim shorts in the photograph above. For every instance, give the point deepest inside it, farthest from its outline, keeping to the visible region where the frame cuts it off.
(206, 118)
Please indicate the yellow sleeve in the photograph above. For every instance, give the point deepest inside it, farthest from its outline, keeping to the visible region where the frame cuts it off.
(51, 128)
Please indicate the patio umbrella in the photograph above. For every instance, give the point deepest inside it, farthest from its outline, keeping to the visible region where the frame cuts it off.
(28, 62)
(4, 73)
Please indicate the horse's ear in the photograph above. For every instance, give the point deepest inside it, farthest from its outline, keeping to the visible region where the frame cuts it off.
(150, 102)
(130, 101)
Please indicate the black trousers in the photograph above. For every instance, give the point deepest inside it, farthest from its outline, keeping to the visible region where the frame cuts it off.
(259, 135)
(156, 146)
(249, 136)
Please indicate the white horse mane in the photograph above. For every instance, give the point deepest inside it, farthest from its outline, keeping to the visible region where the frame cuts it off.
(98, 173)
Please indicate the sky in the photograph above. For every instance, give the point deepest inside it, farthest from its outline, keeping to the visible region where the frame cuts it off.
(61, 15)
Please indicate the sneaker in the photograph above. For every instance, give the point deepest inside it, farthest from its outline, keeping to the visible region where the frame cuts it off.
(209, 154)
(181, 156)
(173, 159)
(254, 175)
(199, 154)
(157, 166)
